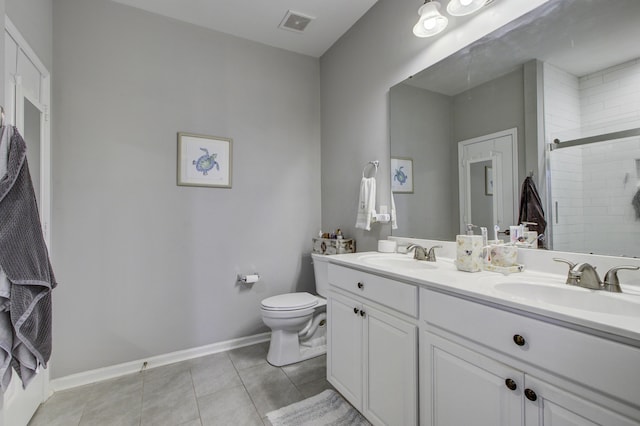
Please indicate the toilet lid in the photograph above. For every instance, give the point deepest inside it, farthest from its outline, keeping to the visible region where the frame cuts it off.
(290, 301)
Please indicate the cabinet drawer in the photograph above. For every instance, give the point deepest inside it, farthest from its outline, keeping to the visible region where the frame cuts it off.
(396, 295)
(583, 358)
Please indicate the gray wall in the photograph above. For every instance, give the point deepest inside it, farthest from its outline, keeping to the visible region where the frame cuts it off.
(420, 128)
(378, 52)
(146, 267)
(489, 108)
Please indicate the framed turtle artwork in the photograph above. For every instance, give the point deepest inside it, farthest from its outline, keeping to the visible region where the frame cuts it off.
(402, 175)
(204, 160)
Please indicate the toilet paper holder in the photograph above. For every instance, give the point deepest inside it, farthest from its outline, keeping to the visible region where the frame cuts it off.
(249, 278)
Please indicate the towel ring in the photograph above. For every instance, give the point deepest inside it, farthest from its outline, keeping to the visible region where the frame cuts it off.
(375, 164)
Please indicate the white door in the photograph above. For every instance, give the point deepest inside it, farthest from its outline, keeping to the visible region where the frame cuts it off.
(463, 387)
(391, 369)
(26, 104)
(547, 405)
(344, 348)
(488, 180)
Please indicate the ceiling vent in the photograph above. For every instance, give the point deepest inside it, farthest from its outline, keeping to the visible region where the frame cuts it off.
(294, 21)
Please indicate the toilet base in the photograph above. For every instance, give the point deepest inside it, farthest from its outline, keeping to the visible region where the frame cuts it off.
(279, 356)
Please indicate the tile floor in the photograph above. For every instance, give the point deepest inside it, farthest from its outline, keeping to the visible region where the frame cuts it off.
(236, 388)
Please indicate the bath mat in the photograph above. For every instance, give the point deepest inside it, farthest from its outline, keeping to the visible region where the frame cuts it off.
(326, 408)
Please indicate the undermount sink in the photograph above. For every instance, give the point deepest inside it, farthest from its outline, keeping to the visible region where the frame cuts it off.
(573, 297)
(397, 261)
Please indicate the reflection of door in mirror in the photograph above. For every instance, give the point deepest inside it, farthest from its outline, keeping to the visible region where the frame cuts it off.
(32, 118)
(497, 151)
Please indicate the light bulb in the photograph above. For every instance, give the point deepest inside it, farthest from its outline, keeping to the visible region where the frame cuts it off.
(429, 24)
(464, 7)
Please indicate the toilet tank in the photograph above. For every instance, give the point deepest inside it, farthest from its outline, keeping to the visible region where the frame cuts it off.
(321, 270)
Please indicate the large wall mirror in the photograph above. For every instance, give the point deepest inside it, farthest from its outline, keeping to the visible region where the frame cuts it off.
(567, 71)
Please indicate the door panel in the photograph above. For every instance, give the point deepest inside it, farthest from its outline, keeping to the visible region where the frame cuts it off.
(391, 373)
(556, 407)
(344, 352)
(464, 387)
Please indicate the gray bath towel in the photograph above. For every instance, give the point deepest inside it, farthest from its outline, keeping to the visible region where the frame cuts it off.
(25, 261)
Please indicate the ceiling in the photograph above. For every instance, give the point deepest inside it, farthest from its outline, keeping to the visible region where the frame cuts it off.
(259, 20)
(577, 36)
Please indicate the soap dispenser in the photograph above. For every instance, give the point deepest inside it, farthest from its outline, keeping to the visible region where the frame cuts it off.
(469, 251)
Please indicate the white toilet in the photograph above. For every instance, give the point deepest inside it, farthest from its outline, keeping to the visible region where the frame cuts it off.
(298, 320)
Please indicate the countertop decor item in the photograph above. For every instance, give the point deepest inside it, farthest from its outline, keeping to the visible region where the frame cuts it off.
(204, 160)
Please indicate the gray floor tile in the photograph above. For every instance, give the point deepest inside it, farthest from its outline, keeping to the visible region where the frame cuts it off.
(231, 388)
(195, 422)
(63, 408)
(167, 370)
(167, 382)
(313, 388)
(205, 383)
(273, 395)
(307, 371)
(269, 388)
(230, 407)
(214, 373)
(249, 356)
(169, 400)
(114, 412)
(114, 402)
(216, 363)
(125, 386)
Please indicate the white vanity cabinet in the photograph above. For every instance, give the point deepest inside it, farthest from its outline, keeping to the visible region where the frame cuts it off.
(372, 353)
(485, 366)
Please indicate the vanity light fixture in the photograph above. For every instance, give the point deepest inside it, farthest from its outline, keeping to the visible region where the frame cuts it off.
(464, 7)
(431, 22)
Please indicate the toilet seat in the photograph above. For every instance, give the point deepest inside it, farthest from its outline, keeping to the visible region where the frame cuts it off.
(289, 302)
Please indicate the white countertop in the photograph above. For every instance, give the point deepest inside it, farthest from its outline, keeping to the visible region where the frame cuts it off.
(590, 312)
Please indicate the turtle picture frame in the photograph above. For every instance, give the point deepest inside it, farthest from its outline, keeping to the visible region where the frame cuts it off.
(402, 175)
(204, 160)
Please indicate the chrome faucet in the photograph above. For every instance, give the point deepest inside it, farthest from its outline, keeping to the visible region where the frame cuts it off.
(421, 253)
(585, 275)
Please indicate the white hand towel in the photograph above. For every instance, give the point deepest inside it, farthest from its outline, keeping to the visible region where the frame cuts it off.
(394, 222)
(366, 204)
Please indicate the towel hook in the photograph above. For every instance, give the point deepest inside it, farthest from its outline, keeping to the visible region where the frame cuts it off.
(375, 164)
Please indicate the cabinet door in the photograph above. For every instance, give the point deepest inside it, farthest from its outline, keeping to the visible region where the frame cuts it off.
(391, 369)
(463, 387)
(547, 405)
(344, 347)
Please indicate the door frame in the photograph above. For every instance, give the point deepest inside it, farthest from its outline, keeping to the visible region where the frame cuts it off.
(463, 178)
(17, 405)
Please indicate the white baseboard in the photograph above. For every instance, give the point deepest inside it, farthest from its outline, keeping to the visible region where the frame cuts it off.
(105, 373)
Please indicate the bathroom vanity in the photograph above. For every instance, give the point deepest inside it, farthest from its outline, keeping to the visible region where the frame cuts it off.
(413, 342)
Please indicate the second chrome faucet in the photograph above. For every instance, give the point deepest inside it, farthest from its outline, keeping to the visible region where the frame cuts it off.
(584, 275)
